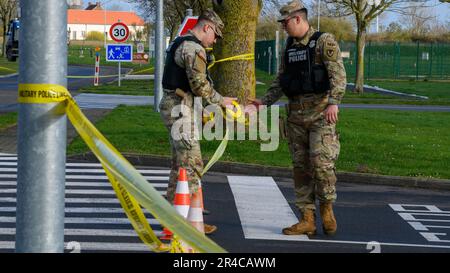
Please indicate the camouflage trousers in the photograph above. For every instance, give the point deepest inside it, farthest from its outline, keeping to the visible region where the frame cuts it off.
(186, 151)
(314, 146)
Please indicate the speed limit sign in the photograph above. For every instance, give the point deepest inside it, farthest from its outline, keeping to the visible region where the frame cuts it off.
(119, 32)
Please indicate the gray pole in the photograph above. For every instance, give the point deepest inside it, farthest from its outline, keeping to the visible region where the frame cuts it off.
(189, 12)
(159, 53)
(42, 129)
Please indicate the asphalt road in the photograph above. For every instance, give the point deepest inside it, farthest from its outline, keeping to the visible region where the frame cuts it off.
(249, 212)
(8, 86)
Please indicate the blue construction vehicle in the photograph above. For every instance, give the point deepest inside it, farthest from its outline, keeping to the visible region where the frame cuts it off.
(12, 40)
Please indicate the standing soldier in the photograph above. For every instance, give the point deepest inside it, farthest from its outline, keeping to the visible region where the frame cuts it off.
(186, 76)
(312, 76)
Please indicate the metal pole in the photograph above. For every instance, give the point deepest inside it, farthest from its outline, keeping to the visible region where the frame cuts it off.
(119, 73)
(42, 129)
(159, 53)
(318, 18)
(277, 50)
(189, 12)
(104, 25)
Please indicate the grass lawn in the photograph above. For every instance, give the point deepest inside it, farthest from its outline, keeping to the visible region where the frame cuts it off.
(437, 91)
(88, 58)
(8, 67)
(382, 142)
(128, 87)
(7, 119)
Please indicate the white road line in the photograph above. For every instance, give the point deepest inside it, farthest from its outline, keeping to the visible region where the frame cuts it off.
(258, 199)
(410, 217)
(98, 177)
(84, 191)
(72, 200)
(101, 171)
(88, 246)
(263, 218)
(89, 232)
(84, 184)
(76, 210)
(85, 220)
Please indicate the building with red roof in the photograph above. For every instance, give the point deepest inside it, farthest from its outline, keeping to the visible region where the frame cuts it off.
(81, 22)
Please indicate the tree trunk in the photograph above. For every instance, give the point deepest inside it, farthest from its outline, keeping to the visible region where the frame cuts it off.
(236, 78)
(360, 45)
(4, 40)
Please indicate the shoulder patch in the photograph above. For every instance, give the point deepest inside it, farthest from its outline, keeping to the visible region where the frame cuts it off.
(330, 49)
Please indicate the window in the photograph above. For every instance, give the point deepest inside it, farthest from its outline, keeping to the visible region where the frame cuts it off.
(74, 35)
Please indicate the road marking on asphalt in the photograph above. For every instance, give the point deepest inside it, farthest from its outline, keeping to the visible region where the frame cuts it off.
(432, 213)
(264, 211)
(262, 208)
(87, 177)
(83, 191)
(89, 232)
(87, 220)
(86, 216)
(85, 170)
(84, 184)
(90, 246)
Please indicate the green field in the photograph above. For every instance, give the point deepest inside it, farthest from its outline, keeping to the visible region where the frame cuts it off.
(7, 68)
(7, 120)
(383, 142)
(128, 87)
(437, 91)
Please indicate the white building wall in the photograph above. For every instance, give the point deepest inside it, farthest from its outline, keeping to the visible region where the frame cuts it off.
(79, 31)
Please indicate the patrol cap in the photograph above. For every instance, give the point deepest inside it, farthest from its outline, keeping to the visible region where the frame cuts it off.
(211, 15)
(290, 8)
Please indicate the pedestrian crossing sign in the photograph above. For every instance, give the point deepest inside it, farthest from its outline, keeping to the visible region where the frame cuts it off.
(119, 53)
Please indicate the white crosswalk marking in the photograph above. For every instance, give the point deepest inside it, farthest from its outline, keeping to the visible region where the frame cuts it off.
(94, 217)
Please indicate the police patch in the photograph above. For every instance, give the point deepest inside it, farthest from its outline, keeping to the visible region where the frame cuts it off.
(312, 44)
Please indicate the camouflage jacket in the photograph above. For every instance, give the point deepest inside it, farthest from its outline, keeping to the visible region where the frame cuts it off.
(328, 52)
(192, 57)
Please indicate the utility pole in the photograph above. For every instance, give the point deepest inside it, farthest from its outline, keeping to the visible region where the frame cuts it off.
(159, 53)
(42, 129)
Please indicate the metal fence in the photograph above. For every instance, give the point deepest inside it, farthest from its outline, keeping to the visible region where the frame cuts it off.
(383, 60)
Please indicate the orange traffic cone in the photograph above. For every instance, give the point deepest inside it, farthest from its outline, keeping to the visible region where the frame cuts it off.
(195, 215)
(181, 201)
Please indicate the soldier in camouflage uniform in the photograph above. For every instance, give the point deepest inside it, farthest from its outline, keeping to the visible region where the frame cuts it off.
(312, 76)
(185, 77)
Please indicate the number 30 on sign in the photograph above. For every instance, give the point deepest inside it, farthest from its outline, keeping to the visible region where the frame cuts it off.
(119, 32)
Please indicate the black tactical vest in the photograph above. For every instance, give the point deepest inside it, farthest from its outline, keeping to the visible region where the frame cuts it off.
(175, 76)
(301, 74)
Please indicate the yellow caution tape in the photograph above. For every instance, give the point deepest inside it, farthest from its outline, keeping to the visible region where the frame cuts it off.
(130, 186)
(243, 57)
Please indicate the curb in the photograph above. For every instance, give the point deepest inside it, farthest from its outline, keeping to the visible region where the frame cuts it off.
(283, 172)
(9, 75)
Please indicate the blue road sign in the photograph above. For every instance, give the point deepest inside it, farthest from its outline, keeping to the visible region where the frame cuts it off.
(119, 53)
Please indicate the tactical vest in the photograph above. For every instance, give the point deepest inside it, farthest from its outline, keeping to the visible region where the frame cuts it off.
(301, 74)
(174, 75)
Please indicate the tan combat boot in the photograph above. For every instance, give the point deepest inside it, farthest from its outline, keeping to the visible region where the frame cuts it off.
(307, 224)
(209, 229)
(329, 222)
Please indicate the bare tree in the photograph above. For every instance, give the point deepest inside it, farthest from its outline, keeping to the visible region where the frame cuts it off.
(417, 21)
(364, 11)
(8, 10)
(174, 11)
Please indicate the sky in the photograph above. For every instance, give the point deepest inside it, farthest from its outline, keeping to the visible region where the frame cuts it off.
(442, 11)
